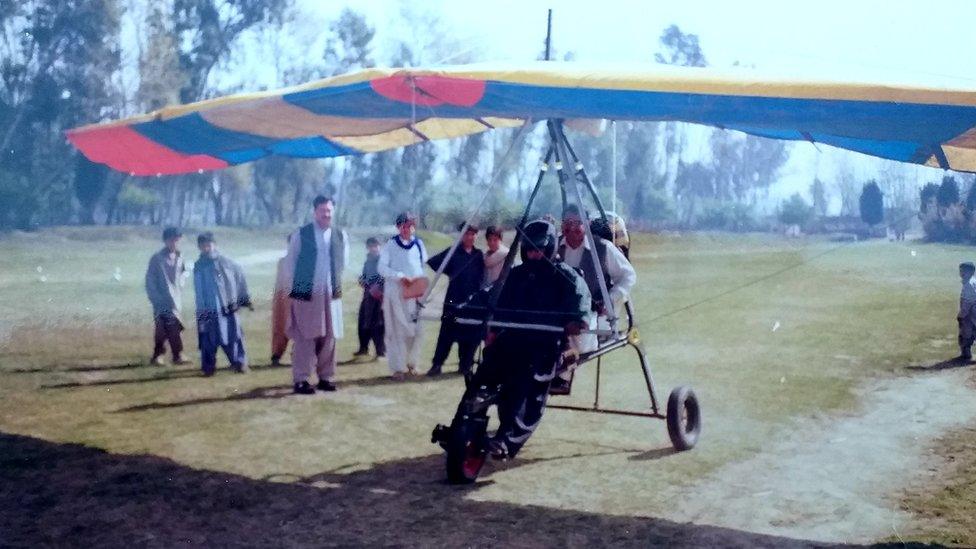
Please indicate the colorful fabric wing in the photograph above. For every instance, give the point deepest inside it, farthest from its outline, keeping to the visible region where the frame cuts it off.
(380, 109)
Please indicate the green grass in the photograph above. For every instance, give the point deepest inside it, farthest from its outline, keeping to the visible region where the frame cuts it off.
(71, 368)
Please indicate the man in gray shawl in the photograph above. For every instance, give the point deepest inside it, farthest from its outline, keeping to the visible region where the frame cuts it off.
(164, 287)
(221, 291)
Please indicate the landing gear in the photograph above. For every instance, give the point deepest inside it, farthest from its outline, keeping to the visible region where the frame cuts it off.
(684, 418)
(466, 440)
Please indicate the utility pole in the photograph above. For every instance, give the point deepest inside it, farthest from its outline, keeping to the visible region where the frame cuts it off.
(549, 36)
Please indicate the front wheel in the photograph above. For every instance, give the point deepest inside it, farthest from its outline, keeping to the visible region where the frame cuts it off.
(684, 418)
(467, 450)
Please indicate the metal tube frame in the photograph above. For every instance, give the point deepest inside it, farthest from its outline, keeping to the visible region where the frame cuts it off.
(561, 151)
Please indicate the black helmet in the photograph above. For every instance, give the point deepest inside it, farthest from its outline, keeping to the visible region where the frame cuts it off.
(539, 235)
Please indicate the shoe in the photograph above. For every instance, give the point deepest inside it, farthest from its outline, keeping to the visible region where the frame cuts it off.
(240, 368)
(398, 376)
(181, 360)
(434, 371)
(276, 360)
(157, 361)
(497, 449)
(304, 388)
(325, 385)
(411, 370)
(560, 386)
(361, 352)
(208, 373)
(380, 355)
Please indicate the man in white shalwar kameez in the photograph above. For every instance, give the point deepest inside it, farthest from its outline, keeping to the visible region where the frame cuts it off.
(618, 275)
(317, 255)
(402, 260)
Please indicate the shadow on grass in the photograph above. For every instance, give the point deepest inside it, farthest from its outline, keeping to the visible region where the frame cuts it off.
(261, 393)
(168, 374)
(72, 368)
(651, 455)
(943, 365)
(68, 494)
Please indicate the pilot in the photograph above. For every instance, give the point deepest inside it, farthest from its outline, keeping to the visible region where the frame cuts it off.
(523, 360)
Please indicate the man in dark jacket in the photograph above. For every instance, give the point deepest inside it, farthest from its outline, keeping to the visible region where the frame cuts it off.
(220, 291)
(523, 360)
(466, 269)
(371, 307)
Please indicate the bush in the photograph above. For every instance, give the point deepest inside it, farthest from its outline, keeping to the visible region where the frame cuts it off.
(872, 204)
(795, 211)
(724, 216)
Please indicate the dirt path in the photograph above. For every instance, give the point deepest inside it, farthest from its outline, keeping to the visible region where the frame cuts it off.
(837, 478)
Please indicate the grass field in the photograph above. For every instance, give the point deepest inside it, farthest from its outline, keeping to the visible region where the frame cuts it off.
(98, 448)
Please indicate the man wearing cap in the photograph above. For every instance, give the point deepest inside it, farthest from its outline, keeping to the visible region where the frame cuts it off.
(221, 291)
(495, 256)
(466, 270)
(317, 255)
(165, 277)
(401, 265)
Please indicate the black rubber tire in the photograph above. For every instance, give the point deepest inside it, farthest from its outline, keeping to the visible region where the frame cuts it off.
(467, 451)
(684, 418)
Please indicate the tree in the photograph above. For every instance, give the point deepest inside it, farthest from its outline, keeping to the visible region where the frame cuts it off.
(818, 193)
(795, 211)
(160, 77)
(927, 197)
(56, 66)
(680, 49)
(89, 182)
(206, 31)
(872, 204)
(848, 187)
(948, 192)
(350, 46)
(348, 49)
(971, 198)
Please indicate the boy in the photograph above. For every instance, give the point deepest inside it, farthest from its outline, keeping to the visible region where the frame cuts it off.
(220, 291)
(466, 269)
(401, 265)
(967, 314)
(371, 307)
(495, 256)
(164, 286)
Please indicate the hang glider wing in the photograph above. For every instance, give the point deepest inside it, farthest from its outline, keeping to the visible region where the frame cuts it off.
(380, 109)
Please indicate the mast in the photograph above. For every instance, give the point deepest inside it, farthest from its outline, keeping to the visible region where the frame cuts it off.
(549, 35)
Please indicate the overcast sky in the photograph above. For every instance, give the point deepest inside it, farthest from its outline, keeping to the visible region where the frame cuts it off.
(925, 41)
(913, 41)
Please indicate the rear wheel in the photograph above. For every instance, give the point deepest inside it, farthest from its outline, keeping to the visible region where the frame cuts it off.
(467, 450)
(684, 418)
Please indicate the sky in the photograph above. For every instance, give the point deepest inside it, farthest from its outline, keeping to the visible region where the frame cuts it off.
(925, 41)
(908, 41)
